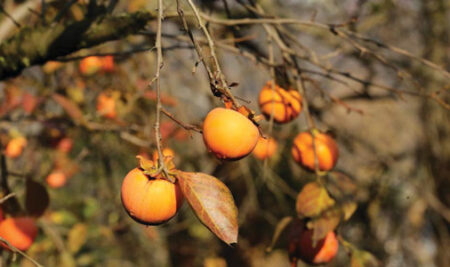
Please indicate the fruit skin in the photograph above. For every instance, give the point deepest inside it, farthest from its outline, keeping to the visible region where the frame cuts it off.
(326, 150)
(19, 232)
(51, 66)
(229, 134)
(29, 102)
(108, 64)
(15, 146)
(56, 179)
(265, 148)
(323, 251)
(90, 65)
(106, 106)
(65, 145)
(148, 200)
(286, 105)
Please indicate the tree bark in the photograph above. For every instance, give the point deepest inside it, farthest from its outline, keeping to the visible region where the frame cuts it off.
(37, 45)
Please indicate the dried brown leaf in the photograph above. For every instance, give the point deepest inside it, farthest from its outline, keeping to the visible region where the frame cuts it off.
(69, 106)
(324, 224)
(212, 202)
(361, 258)
(313, 200)
(348, 209)
(282, 225)
(341, 185)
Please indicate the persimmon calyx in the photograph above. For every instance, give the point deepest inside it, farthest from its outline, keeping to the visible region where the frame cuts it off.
(315, 132)
(146, 164)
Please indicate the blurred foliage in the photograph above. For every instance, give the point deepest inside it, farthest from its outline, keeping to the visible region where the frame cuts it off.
(392, 173)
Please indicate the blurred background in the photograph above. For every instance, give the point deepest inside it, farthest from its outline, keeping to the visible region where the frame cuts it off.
(393, 138)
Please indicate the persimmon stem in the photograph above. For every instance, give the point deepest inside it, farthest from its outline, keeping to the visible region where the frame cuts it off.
(159, 65)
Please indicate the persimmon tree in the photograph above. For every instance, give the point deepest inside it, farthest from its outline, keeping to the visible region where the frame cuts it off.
(165, 91)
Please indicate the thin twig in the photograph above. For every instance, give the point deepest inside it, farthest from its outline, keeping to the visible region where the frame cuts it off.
(8, 196)
(159, 65)
(224, 85)
(188, 127)
(16, 250)
(2, 10)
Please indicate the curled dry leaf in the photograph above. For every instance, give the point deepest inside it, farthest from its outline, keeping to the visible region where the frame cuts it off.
(361, 258)
(328, 220)
(341, 185)
(36, 198)
(313, 200)
(77, 237)
(348, 209)
(212, 202)
(324, 224)
(282, 225)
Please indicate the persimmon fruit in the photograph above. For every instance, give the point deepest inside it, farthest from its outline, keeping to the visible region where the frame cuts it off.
(106, 106)
(149, 200)
(19, 232)
(286, 105)
(29, 102)
(167, 152)
(51, 66)
(323, 251)
(15, 147)
(108, 64)
(90, 65)
(265, 148)
(56, 179)
(229, 134)
(65, 145)
(326, 151)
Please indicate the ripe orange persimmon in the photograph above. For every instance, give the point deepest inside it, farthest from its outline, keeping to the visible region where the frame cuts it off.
(15, 146)
(167, 152)
(56, 179)
(326, 151)
(229, 134)
(90, 65)
(150, 200)
(19, 232)
(106, 106)
(65, 145)
(108, 64)
(51, 66)
(1, 214)
(29, 102)
(286, 104)
(265, 148)
(323, 251)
